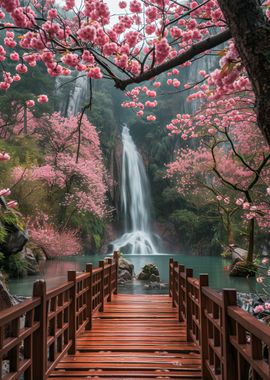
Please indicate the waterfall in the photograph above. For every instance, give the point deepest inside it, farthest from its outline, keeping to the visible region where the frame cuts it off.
(77, 90)
(136, 202)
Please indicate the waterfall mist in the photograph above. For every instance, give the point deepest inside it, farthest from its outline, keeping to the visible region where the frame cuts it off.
(136, 202)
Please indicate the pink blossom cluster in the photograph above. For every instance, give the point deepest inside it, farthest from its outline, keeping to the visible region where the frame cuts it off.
(54, 243)
(142, 32)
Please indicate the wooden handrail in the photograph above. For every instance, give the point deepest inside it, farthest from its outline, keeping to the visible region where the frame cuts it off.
(47, 325)
(233, 343)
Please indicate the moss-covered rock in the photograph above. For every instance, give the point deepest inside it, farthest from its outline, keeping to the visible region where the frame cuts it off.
(241, 268)
(149, 271)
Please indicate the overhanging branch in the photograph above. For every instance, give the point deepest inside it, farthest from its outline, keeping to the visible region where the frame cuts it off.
(196, 49)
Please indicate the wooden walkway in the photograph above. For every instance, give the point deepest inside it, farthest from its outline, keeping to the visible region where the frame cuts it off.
(136, 337)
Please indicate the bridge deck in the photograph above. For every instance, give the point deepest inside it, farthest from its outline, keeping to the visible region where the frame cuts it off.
(136, 337)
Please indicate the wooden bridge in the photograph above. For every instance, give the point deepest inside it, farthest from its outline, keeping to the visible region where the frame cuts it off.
(83, 329)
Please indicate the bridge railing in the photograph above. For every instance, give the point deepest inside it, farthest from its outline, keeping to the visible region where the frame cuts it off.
(37, 333)
(234, 345)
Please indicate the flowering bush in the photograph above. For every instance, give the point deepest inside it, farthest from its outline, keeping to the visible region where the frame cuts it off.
(54, 243)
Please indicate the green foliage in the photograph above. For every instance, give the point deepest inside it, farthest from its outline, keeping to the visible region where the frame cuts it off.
(2, 260)
(3, 233)
(17, 266)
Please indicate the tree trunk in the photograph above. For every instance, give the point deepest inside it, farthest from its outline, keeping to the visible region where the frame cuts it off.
(25, 120)
(230, 234)
(251, 231)
(251, 31)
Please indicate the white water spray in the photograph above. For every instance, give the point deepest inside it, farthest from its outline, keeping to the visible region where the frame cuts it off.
(136, 202)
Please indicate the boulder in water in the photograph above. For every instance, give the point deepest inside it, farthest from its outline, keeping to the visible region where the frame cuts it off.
(147, 271)
(125, 270)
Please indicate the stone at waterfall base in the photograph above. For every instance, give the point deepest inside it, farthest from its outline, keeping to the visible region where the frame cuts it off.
(155, 285)
(149, 272)
(125, 271)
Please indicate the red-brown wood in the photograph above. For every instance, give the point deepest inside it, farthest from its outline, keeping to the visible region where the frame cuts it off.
(137, 336)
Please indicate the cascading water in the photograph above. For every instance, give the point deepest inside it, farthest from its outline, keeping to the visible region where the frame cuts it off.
(136, 202)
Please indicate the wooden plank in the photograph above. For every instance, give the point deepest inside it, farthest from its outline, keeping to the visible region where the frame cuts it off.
(136, 337)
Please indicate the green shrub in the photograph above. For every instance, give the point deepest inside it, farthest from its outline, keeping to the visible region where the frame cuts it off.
(17, 266)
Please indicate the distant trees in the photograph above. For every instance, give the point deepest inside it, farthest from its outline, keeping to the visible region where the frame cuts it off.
(228, 162)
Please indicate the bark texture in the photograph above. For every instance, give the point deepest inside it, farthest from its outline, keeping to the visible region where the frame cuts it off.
(251, 31)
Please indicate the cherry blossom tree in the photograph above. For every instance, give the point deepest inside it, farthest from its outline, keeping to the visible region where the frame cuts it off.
(225, 164)
(81, 178)
(146, 39)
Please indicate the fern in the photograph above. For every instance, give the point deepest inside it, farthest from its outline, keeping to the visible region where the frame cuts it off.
(3, 234)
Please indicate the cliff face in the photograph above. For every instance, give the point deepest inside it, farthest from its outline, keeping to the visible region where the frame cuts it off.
(115, 169)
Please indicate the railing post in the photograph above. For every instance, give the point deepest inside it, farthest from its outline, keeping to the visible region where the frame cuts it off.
(189, 273)
(72, 312)
(170, 277)
(181, 269)
(203, 281)
(174, 274)
(110, 261)
(89, 296)
(102, 264)
(229, 370)
(40, 336)
(116, 259)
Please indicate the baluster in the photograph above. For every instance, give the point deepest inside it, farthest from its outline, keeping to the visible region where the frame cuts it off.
(89, 297)
(110, 262)
(39, 360)
(189, 273)
(72, 312)
(229, 368)
(170, 277)
(116, 259)
(181, 269)
(203, 281)
(174, 274)
(102, 265)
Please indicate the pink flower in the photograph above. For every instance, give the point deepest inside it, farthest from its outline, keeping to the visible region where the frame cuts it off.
(212, 131)
(30, 103)
(5, 192)
(260, 279)
(122, 4)
(258, 309)
(12, 204)
(14, 56)
(21, 68)
(265, 261)
(246, 206)
(43, 99)
(4, 156)
(239, 201)
(151, 118)
(156, 84)
(268, 190)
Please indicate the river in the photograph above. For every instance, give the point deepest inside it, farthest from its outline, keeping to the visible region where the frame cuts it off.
(54, 272)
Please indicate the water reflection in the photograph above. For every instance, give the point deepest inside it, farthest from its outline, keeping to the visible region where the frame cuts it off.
(54, 272)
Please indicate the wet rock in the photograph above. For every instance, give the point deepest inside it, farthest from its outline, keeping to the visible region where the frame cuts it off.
(31, 261)
(124, 264)
(155, 285)
(154, 278)
(125, 270)
(5, 368)
(6, 299)
(147, 271)
(124, 276)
